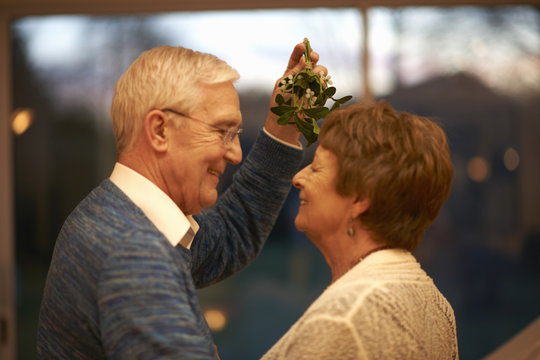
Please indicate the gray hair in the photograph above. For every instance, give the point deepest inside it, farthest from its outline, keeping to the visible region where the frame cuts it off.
(163, 77)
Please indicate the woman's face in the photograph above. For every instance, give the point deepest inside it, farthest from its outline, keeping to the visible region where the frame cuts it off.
(323, 212)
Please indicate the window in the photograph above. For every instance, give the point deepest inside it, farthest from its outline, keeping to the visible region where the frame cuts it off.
(474, 68)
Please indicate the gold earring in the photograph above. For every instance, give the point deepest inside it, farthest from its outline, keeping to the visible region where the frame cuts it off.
(350, 229)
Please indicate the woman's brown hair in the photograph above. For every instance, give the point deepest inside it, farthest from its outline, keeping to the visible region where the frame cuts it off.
(399, 161)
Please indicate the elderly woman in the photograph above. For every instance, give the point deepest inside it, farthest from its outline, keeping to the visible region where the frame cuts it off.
(376, 183)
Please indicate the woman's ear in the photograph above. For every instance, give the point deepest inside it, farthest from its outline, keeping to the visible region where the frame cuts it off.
(359, 207)
(155, 130)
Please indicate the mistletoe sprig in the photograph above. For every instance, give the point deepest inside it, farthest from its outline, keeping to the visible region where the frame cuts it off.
(302, 98)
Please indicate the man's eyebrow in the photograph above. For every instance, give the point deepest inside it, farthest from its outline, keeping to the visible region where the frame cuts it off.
(229, 123)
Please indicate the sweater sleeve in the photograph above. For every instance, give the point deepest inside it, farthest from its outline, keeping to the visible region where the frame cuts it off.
(233, 231)
(147, 307)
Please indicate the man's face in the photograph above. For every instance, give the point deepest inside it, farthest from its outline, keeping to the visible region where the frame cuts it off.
(197, 156)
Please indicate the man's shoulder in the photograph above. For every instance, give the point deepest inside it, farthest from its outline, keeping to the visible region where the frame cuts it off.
(107, 204)
(104, 215)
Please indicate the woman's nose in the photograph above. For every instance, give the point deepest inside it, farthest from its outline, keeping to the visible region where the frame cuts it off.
(298, 179)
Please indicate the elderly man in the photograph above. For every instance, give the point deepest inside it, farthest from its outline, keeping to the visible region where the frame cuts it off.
(127, 261)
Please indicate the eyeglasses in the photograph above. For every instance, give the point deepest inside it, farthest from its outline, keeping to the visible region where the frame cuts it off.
(227, 135)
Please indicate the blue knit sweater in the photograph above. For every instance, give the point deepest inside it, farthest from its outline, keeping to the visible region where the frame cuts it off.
(117, 289)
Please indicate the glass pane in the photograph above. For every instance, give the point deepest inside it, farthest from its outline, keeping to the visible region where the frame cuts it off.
(500, 46)
(65, 69)
(477, 71)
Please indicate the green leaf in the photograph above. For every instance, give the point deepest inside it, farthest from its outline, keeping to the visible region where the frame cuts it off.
(280, 100)
(303, 83)
(303, 126)
(321, 100)
(317, 113)
(329, 92)
(306, 128)
(311, 138)
(316, 128)
(285, 117)
(344, 99)
(280, 110)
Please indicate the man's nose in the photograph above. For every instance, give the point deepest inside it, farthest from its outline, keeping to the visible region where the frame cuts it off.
(234, 152)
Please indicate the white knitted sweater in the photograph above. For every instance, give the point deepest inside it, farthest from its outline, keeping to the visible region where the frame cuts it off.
(386, 307)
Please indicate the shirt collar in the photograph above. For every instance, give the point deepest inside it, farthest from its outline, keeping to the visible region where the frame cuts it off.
(156, 205)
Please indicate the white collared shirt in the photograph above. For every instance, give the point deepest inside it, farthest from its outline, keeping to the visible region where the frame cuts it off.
(156, 205)
(297, 146)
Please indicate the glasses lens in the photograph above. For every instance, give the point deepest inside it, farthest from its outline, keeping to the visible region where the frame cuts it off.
(229, 136)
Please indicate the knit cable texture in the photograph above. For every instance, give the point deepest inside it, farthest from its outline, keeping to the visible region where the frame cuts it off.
(386, 307)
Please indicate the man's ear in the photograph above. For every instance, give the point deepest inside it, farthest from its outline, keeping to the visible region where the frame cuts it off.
(360, 206)
(156, 131)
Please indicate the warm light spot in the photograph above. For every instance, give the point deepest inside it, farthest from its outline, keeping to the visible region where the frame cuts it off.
(216, 319)
(22, 119)
(511, 159)
(478, 169)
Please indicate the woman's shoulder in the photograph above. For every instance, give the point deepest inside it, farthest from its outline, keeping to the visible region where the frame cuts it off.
(390, 273)
(385, 266)
(385, 294)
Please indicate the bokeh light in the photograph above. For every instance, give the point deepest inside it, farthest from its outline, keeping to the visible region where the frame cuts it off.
(216, 319)
(22, 120)
(511, 159)
(478, 169)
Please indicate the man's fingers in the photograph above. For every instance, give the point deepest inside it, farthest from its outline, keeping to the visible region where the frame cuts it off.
(314, 57)
(297, 63)
(295, 58)
(317, 70)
